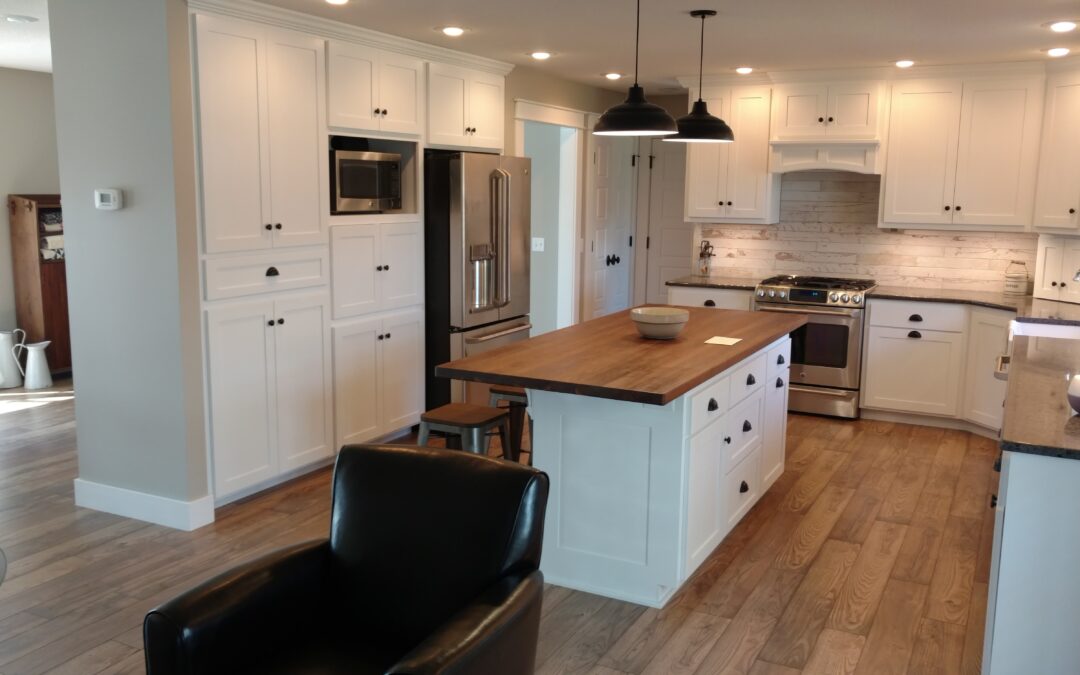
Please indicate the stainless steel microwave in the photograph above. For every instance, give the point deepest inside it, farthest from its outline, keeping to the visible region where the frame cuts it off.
(365, 182)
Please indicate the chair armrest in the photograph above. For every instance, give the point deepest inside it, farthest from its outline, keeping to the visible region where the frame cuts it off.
(497, 633)
(251, 604)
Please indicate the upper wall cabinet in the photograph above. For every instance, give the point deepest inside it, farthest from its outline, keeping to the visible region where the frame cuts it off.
(963, 153)
(261, 135)
(374, 90)
(466, 108)
(731, 181)
(841, 111)
(1057, 200)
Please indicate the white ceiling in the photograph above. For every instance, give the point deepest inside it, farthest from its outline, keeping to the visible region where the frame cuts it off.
(591, 37)
(25, 45)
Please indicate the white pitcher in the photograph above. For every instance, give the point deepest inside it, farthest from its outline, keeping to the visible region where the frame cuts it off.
(10, 370)
(37, 367)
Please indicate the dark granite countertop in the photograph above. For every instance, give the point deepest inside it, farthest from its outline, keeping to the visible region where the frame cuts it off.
(1038, 419)
(701, 281)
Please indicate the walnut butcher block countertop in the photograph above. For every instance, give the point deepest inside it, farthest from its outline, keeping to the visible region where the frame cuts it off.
(607, 358)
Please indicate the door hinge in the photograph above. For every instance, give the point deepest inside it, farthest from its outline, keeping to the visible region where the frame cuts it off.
(631, 241)
(592, 246)
(633, 160)
(647, 241)
(594, 158)
(651, 158)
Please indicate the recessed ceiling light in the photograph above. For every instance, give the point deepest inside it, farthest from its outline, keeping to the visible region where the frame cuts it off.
(20, 18)
(905, 63)
(337, 2)
(613, 76)
(453, 31)
(541, 56)
(1063, 26)
(1057, 52)
(744, 70)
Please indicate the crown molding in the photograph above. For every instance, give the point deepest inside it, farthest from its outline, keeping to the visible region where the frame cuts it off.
(337, 30)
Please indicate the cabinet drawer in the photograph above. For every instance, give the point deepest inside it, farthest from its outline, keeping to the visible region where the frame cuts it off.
(742, 486)
(928, 315)
(237, 276)
(720, 298)
(748, 377)
(744, 426)
(779, 360)
(708, 405)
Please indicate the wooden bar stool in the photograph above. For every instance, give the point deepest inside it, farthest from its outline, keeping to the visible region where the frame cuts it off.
(518, 402)
(469, 422)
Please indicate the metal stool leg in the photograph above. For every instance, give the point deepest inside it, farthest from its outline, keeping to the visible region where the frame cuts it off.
(505, 440)
(422, 436)
(474, 440)
(512, 449)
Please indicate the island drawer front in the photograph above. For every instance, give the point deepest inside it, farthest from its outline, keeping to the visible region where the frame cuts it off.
(748, 377)
(912, 315)
(708, 405)
(744, 427)
(720, 298)
(742, 486)
(779, 360)
(237, 276)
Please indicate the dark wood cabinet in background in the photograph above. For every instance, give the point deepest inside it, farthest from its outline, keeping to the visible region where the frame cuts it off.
(41, 303)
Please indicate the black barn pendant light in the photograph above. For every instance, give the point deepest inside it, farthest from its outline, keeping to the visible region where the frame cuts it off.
(635, 116)
(699, 126)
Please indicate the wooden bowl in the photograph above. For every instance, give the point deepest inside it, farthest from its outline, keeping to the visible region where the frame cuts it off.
(659, 323)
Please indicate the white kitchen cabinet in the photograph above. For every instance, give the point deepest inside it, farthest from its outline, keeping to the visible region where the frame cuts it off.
(963, 153)
(1057, 262)
(466, 108)
(706, 523)
(913, 370)
(838, 111)
(1057, 197)
(987, 339)
(379, 377)
(261, 128)
(720, 298)
(376, 267)
(270, 390)
(731, 181)
(374, 90)
(776, 406)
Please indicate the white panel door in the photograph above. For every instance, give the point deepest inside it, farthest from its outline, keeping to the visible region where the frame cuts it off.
(402, 370)
(707, 168)
(773, 435)
(1048, 267)
(447, 105)
(357, 380)
(1057, 201)
(915, 371)
(355, 259)
(401, 252)
(353, 85)
(303, 381)
(799, 111)
(240, 346)
(921, 168)
(996, 161)
(487, 110)
(852, 110)
(232, 125)
(984, 394)
(746, 194)
(400, 93)
(670, 242)
(608, 225)
(706, 523)
(297, 137)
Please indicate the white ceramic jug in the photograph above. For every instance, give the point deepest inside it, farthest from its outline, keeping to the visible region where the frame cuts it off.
(10, 371)
(37, 368)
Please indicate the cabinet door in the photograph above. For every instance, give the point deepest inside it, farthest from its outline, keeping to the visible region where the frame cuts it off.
(302, 366)
(357, 381)
(487, 110)
(400, 93)
(915, 371)
(1070, 268)
(240, 346)
(748, 158)
(799, 111)
(1048, 267)
(996, 161)
(353, 85)
(775, 427)
(447, 105)
(705, 521)
(1057, 201)
(231, 84)
(354, 261)
(402, 370)
(921, 167)
(852, 110)
(984, 394)
(707, 169)
(402, 254)
(297, 138)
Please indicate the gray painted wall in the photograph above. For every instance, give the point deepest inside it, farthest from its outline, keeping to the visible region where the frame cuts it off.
(542, 146)
(27, 160)
(123, 119)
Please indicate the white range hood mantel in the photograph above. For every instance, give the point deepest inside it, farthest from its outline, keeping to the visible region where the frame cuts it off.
(860, 156)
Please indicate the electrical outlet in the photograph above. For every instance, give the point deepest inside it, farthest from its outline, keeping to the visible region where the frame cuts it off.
(538, 244)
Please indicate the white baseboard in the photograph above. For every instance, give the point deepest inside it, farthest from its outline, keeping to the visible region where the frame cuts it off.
(928, 421)
(165, 511)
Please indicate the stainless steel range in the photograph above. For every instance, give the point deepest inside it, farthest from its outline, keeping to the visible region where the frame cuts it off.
(826, 353)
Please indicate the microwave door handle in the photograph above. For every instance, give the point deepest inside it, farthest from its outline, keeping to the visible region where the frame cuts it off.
(504, 243)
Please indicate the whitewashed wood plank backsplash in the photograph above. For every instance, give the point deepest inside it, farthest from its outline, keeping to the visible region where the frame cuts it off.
(828, 226)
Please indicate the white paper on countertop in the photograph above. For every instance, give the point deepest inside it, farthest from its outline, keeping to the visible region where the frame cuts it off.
(719, 340)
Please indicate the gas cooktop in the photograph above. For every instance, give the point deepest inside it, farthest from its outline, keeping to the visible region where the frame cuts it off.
(814, 290)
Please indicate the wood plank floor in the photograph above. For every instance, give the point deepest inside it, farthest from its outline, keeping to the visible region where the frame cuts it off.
(869, 555)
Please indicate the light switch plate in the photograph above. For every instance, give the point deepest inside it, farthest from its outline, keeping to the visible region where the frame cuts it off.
(538, 244)
(108, 199)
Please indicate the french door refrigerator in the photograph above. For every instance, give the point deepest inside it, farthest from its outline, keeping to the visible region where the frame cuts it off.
(476, 255)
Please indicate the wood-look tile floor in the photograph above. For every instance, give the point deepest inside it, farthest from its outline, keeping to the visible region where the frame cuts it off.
(869, 555)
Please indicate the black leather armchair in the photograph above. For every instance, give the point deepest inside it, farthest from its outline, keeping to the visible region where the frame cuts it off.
(431, 567)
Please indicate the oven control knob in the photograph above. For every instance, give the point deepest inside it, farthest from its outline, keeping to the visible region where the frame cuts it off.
(772, 293)
(844, 297)
(761, 293)
(834, 297)
(783, 294)
(856, 298)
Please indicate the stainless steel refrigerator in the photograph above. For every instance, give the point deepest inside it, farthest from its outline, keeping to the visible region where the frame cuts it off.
(476, 251)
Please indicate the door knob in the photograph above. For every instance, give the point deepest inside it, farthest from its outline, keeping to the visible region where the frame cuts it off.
(618, 260)
(607, 261)
(727, 439)
(272, 272)
(743, 488)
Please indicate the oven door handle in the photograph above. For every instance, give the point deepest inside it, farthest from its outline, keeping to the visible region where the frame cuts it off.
(820, 312)
(819, 390)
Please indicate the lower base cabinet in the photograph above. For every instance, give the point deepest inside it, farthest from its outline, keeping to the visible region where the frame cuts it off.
(984, 394)
(914, 371)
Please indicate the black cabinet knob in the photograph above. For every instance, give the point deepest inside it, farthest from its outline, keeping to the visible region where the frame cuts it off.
(270, 322)
(378, 111)
(272, 272)
(820, 120)
(780, 360)
(1062, 284)
(729, 203)
(779, 383)
(378, 268)
(743, 488)
(997, 464)
(268, 226)
(277, 226)
(746, 427)
(384, 112)
(727, 439)
(388, 336)
(280, 321)
(751, 380)
(386, 268)
(830, 119)
(379, 337)
(914, 334)
(948, 208)
(710, 303)
(1072, 211)
(958, 207)
(713, 405)
(993, 501)
(915, 317)
(1054, 284)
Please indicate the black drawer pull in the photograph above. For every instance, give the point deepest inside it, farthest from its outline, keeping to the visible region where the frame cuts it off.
(914, 334)
(780, 360)
(993, 501)
(710, 303)
(751, 380)
(713, 405)
(915, 317)
(727, 439)
(779, 383)
(746, 426)
(997, 464)
(743, 488)
(272, 272)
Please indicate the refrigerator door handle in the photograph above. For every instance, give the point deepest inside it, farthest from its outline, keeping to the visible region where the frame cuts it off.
(495, 336)
(503, 243)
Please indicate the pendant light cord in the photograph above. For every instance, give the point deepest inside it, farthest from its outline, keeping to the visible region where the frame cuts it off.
(701, 58)
(637, 42)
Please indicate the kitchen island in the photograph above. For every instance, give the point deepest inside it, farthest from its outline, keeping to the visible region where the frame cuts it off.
(655, 449)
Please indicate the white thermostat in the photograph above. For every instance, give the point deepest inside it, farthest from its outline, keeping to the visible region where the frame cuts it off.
(108, 199)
